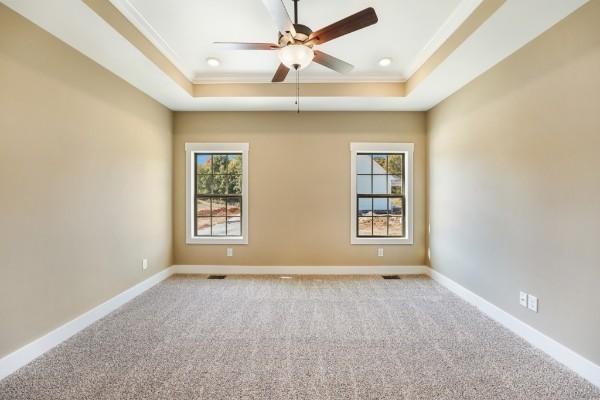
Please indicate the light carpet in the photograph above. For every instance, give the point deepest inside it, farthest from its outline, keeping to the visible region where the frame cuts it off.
(250, 337)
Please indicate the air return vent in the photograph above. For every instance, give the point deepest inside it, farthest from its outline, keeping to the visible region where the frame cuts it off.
(217, 276)
(390, 276)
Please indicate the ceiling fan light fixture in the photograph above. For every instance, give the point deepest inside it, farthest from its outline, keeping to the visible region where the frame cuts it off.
(296, 56)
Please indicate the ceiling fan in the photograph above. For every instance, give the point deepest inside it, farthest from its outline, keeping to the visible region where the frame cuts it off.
(297, 43)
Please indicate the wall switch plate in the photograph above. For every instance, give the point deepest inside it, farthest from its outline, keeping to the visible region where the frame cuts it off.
(144, 264)
(532, 303)
(229, 252)
(523, 299)
(429, 254)
(380, 252)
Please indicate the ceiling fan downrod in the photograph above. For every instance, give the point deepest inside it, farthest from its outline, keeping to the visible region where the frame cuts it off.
(295, 12)
(297, 66)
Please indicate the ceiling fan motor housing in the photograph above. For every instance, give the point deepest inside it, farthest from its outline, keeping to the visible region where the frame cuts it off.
(302, 34)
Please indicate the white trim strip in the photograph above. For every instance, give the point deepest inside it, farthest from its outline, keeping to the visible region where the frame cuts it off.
(559, 352)
(33, 350)
(299, 270)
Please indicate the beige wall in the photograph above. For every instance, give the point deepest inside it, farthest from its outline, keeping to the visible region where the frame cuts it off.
(514, 183)
(85, 183)
(299, 185)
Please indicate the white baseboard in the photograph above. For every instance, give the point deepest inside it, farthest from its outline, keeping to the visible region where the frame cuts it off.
(299, 270)
(33, 350)
(559, 352)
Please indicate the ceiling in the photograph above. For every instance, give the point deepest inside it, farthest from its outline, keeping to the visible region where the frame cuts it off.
(186, 34)
(160, 47)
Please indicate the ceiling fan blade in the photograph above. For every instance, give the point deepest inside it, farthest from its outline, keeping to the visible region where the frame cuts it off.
(280, 74)
(280, 16)
(332, 63)
(247, 46)
(357, 21)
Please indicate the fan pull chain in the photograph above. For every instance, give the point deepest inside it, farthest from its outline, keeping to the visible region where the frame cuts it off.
(298, 90)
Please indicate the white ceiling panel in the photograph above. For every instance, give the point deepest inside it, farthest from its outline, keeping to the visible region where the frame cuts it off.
(187, 31)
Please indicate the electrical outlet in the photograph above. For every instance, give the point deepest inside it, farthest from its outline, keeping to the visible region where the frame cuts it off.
(144, 264)
(523, 299)
(380, 252)
(229, 252)
(532, 303)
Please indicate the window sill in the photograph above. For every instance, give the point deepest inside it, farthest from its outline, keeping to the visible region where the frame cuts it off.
(218, 240)
(400, 241)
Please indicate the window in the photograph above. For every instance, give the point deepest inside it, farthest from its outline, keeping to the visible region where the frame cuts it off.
(217, 193)
(381, 193)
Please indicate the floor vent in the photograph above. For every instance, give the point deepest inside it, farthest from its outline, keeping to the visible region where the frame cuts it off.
(217, 276)
(390, 276)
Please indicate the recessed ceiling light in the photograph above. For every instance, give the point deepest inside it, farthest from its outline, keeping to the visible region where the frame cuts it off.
(213, 62)
(384, 62)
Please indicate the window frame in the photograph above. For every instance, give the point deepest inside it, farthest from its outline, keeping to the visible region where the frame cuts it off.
(407, 149)
(191, 149)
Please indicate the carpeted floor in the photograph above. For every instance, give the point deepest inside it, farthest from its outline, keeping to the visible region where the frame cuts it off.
(302, 338)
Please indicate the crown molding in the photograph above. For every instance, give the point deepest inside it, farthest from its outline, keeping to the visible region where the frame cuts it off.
(464, 9)
(263, 78)
(143, 25)
(474, 21)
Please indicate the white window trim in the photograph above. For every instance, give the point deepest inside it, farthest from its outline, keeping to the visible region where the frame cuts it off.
(407, 149)
(194, 148)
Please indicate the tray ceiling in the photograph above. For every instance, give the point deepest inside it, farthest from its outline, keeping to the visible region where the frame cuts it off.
(186, 33)
(160, 47)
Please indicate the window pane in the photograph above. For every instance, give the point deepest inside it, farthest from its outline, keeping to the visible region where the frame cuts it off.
(234, 226)
(218, 226)
(203, 226)
(379, 164)
(380, 184)
(234, 184)
(396, 206)
(365, 226)
(203, 207)
(234, 164)
(204, 184)
(219, 163)
(203, 163)
(365, 207)
(234, 206)
(363, 164)
(395, 184)
(380, 174)
(395, 164)
(380, 206)
(363, 184)
(219, 184)
(396, 228)
(218, 207)
(380, 226)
